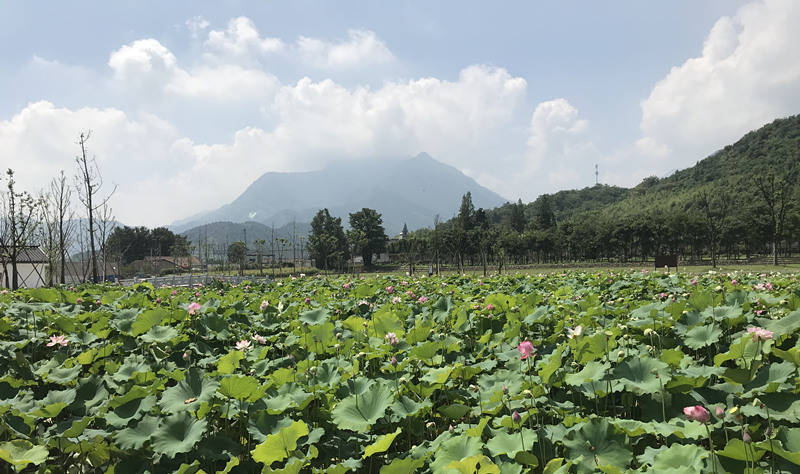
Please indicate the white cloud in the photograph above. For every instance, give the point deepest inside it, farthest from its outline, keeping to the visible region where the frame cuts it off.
(747, 75)
(241, 41)
(196, 24)
(362, 47)
(150, 70)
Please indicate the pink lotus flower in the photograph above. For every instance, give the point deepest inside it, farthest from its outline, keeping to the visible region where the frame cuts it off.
(174, 292)
(516, 417)
(391, 338)
(259, 339)
(307, 300)
(720, 412)
(158, 300)
(489, 307)
(243, 345)
(422, 299)
(79, 301)
(264, 305)
(394, 361)
(525, 349)
(697, 413)
(346, 285)
(193, 307)
(390, 289)
(396, 300)
(56, 340)
(759, 334)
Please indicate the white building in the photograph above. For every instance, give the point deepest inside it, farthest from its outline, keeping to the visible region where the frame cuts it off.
(31, 269)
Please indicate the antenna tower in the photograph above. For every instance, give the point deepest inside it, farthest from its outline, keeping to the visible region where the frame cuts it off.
(596, 175)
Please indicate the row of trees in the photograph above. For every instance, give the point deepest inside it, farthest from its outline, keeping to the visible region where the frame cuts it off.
(50, 220)
(710, 223)
(330, 247)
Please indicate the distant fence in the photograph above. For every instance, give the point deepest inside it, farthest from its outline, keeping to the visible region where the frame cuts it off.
(191, 280)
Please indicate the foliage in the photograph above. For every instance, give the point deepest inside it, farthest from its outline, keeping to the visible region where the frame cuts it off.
(367, 224)
(388, 374)
(327, 243)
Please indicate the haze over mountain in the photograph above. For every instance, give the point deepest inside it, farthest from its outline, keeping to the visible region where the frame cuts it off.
(411, 192)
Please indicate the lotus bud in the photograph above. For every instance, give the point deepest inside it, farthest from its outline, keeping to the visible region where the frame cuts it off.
(505, 389)
(430, 425)
(394, 361)
(720, 412)
(451, 429)
(402, 380)
(516, 417)
(620, 354)
(648, 332)
(527, 393)
(186, 355)
(654, 371)
(746, 437)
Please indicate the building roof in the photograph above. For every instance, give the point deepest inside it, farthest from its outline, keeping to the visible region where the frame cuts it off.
(31, 255)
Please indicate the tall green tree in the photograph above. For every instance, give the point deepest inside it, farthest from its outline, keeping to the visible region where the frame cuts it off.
(327, 244)
(237, 253)
(776, 193)
(370, 223)
(466, 213)
(517, 216)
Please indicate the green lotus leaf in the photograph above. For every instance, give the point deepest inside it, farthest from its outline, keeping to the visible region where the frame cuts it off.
(49, 411)
(736, 449)
(134, 437)
(594, 371)
(20, 452)
(63, 375)
(479, 464)
(133, 364)
(551, 363)
(360, 412)
(228, 363)
(315, 316)
(455, 449)
(215, 326)
(323, 334)
(732, 315)
(404, 407)
(178, 433)
(772, 378)
(642, 375)
(702, 336)
(598, 445)
(786, 444)
(407, 465)
(328, 375)
(277, 447)
(744, 348)
(680, 457)
(426, 352)
(385, 321)
(260, 424)
(381, 444)
(146, 320)
(123, 319)
(238, 386)
(792, 355)
(455, 411)
(785, 325)
(134, 409)
(357, 386)
(189, 393)
(511, 443)
(159, 334)
(438, 375)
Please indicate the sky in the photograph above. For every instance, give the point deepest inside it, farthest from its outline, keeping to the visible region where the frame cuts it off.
(189, 102)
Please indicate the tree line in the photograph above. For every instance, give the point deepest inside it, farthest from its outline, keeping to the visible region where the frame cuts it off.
(68, 215)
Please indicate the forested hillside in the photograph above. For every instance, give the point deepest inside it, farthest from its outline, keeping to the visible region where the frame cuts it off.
(738, 203)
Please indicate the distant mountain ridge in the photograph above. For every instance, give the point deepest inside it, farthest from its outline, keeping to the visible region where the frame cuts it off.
(409, 192)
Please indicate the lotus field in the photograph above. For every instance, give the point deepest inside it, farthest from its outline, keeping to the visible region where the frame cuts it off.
(579, 372)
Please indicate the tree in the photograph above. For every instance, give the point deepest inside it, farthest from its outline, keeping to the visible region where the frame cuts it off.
(17, 226)
(777, 196)
(237, 253)
(466, 213)
(89, 183)
(327, 244)
(61, 220)
(370, 223)
(715, 210)
(517, 217)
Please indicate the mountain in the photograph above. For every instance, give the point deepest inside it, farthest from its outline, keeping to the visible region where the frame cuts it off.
(410, 192)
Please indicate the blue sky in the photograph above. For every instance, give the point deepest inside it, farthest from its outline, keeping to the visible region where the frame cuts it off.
(189, 102)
